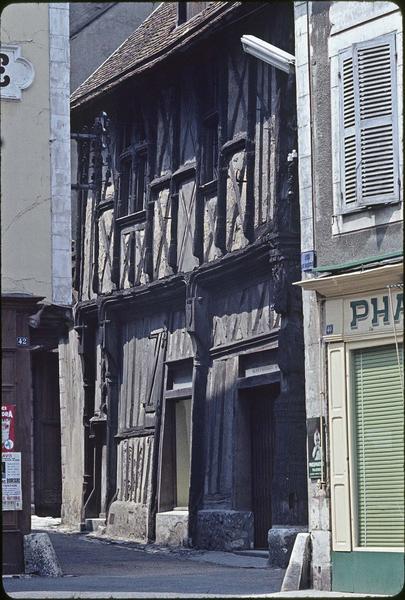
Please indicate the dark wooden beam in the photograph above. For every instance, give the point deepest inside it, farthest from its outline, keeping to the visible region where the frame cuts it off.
(220, 232)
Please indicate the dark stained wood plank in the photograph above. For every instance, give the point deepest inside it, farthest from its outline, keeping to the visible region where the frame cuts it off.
(186, 226)
(161, 233)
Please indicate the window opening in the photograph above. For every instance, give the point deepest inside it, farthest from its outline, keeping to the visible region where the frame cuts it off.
(133, 168)
(187, 10)
(210, 125)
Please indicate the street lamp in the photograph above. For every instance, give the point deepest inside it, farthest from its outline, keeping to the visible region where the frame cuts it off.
(268, 53)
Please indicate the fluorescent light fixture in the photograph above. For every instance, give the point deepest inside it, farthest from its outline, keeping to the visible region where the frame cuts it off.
(268, 53)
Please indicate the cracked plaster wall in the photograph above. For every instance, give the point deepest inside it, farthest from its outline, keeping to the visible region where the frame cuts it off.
(25, 172)
(35, 176)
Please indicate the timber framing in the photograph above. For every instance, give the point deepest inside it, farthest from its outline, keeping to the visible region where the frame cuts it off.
(187, 242)
(172, 39)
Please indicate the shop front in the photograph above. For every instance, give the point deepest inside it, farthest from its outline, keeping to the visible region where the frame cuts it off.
(362, 322)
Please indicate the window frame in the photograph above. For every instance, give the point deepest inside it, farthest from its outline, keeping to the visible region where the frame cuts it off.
(188, 10)
(210, 148)
(135, 154)
(209, 120)
(380, 201)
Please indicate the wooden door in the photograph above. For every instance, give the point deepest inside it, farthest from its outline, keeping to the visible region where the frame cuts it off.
(16, 391)
(262, 456)
(47, 436)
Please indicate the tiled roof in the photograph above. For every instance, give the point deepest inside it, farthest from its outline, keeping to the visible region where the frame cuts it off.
(156, 38)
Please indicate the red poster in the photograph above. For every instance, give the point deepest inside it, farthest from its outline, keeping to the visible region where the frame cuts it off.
(7, 427)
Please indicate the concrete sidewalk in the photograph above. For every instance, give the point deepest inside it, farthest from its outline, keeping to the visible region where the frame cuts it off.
(153, 595)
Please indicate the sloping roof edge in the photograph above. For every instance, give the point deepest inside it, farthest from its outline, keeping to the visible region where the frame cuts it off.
(193, 31)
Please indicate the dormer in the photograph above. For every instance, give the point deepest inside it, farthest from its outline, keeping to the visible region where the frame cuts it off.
(187, 10)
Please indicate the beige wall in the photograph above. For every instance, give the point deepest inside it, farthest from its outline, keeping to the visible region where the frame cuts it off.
(25, 159)
(72, 437)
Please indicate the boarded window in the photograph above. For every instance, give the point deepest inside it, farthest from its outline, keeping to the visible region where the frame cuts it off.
(368, 112)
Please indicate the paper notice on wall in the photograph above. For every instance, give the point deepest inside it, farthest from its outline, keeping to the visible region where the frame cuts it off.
(7, 427)
(11, 481)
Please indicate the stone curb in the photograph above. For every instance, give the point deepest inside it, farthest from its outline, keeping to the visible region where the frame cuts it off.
(152, 595)
(297, 574)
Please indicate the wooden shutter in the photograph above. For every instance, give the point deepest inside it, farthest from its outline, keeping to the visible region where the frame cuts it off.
(379, 446)
(349, 154)
(369, 150)
(339, 459)
(155, 377)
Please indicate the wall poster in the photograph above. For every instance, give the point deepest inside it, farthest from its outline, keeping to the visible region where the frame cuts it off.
(315, 443)
(7, 427)
(11, 480)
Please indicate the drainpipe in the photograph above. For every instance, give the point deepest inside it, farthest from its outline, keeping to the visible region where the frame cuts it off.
(396, 285)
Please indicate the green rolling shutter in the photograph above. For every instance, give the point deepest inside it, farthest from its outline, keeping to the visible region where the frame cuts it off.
(379, 446)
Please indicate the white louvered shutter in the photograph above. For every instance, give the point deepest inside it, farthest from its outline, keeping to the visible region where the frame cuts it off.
(378, 412)
(350, 149)
(369, 151)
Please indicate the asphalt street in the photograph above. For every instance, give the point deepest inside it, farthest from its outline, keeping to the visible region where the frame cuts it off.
(91, 564)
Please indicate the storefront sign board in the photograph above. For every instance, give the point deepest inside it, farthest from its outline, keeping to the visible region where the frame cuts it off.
(378, 312)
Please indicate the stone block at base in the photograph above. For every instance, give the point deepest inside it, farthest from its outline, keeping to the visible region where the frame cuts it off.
(172, 528)
(281, 541)
(297, 575)
(94, 524)
(40, 557)
(224, 530)
(321, 560)
(128, 520)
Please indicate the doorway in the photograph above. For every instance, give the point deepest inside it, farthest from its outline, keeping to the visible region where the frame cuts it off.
(176, 454)
(91, 493)
(260, 408)
(254, 457)
(47, 445)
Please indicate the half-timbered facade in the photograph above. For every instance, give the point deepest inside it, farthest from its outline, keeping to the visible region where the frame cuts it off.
(189, 398)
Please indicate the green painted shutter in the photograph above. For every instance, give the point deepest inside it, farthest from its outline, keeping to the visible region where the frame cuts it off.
(379, 446)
